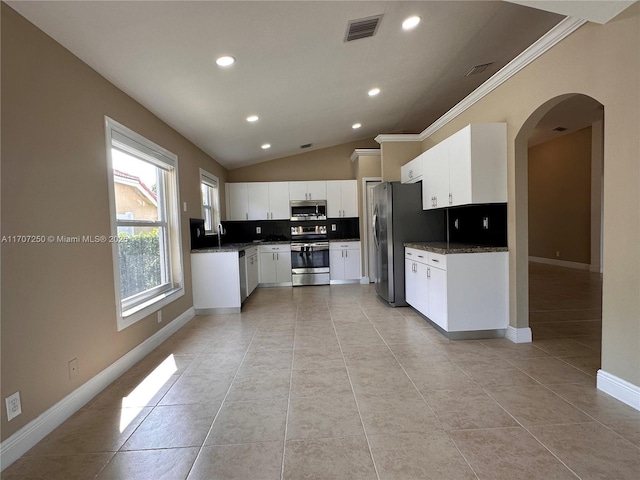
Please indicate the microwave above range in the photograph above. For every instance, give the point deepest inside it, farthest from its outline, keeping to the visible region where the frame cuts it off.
(303, 210)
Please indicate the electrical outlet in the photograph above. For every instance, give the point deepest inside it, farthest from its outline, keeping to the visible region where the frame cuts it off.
(14, 407)
(485, 223)
(557, 254)
(258, 230)
(184, 206)
(334, 227)
(159, 316)
(73, 368)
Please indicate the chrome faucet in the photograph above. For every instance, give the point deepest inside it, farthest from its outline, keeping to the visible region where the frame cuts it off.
(220, 233)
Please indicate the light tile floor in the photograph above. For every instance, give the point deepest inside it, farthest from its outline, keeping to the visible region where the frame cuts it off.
(329, 383)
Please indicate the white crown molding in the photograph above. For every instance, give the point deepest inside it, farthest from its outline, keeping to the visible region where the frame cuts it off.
(554, 36)
(398, 137)
(24, 439)
(361, 152)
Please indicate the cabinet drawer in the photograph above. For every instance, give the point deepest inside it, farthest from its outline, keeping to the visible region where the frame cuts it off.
(416, 255)
(344, 245)
(437, 260)
(274, 248)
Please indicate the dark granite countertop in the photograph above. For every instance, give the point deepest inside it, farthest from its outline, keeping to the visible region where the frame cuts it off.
(236, 247)
(445, 248)
(335, 240)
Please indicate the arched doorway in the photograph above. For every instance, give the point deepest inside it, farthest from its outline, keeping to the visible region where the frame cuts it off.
(559, 165)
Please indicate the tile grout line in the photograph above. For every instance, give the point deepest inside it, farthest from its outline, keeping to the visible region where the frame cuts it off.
(286, 421)
(204, 441)
(425, 400)
(355, 398)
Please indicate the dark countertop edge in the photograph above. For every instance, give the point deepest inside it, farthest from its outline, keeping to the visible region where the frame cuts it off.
(444, 249)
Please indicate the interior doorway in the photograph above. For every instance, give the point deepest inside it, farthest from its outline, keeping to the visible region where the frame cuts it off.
(368, 184)
(564, 213)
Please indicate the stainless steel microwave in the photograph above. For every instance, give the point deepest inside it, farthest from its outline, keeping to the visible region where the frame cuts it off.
(302, 210)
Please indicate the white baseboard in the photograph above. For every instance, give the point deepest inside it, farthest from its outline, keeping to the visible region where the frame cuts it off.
(519, 335)
(619, 389)
(365, 281)
(561, 263)
(24, 439)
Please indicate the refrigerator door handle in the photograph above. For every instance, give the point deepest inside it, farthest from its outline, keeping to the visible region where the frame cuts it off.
(374, 225)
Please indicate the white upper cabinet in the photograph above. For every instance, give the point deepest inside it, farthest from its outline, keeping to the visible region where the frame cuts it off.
(314, 190)
(279, 201)
(258, 194)
(412, 172)
(258, 201)
(237, 201)
(468, 167)
(342, 198)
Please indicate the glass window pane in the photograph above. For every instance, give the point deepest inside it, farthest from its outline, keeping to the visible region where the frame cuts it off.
(141, 259)
(136, 185)
(205, 194)
(208, 221)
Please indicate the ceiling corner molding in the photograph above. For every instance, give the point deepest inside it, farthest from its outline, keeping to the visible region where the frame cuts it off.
(358, 152)
(399, 137)
(554, 36)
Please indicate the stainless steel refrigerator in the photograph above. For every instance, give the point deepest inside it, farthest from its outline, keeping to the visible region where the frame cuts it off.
(397, 218)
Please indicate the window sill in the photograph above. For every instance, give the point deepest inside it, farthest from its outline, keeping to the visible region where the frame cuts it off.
(137, 313)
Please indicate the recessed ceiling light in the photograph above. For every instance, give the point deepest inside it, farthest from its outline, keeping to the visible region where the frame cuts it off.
(252, 118)
(265, 146)
(225, 61)
(373, 92)
(356, 125)
(411, 23)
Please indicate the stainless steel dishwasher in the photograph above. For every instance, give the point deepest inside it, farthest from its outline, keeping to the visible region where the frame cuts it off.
(243, 275)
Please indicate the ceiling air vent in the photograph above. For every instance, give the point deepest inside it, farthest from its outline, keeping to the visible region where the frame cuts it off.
(475, 70)
(306, 145)
(559, 129)
(362, 28)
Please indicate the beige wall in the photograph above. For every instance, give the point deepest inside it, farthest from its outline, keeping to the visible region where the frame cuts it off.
(366, 166)
(396, 154)
(58, 300)
(560, 198)
(601, 61)
(333, 163)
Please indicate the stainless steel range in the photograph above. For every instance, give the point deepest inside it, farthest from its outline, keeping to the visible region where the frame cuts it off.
(309, 255)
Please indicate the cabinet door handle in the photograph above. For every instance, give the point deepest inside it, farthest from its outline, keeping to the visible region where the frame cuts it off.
(428, 272)
(346, 253)
(435, 260)
(450, 199)
(420, 256)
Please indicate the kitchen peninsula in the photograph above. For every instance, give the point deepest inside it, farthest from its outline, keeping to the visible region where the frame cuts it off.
(462, 289)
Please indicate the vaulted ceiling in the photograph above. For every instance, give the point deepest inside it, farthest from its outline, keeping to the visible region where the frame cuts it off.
(293, 67)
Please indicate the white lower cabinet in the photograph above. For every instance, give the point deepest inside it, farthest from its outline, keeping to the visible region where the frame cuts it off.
(275, 264)
(344, 261)
(459, 292)
(216, 282)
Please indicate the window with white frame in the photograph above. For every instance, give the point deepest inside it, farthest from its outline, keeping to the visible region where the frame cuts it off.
(210, 201)
(145, 224)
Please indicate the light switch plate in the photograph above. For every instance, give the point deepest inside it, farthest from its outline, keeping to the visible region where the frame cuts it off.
(258, 230)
